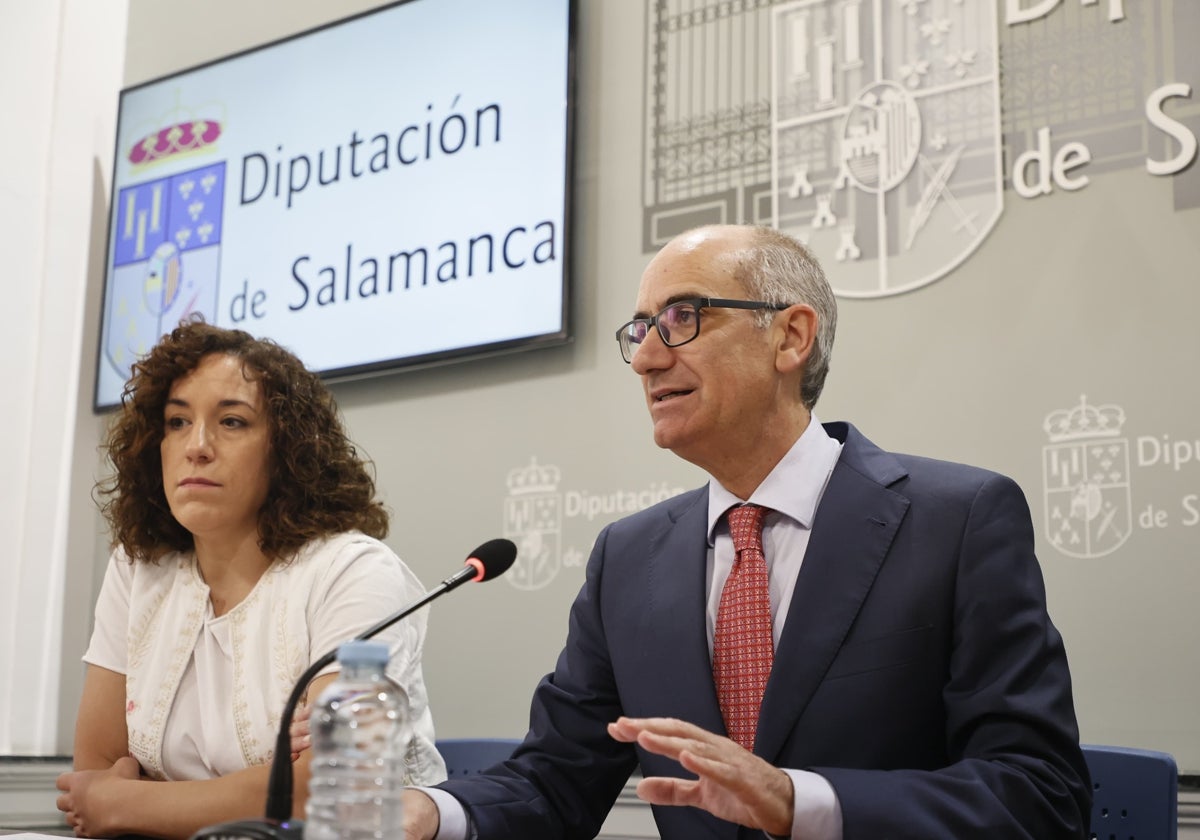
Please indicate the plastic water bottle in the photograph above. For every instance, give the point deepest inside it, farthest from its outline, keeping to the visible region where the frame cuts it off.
(357, 762)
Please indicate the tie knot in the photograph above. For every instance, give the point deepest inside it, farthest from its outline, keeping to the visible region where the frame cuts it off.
(745, 527)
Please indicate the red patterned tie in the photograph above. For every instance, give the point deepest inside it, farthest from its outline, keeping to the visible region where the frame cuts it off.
(743, 649)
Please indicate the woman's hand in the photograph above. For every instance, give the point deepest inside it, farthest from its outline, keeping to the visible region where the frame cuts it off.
(301, 738)
(89, 797)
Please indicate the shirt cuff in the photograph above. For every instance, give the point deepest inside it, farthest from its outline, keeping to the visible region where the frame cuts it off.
(453, 823)
(816, 811)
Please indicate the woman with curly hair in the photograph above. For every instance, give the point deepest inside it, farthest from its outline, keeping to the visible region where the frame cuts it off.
(247, 544)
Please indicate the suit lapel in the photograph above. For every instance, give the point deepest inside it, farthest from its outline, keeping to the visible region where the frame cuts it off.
(675, 616)
(853, 530)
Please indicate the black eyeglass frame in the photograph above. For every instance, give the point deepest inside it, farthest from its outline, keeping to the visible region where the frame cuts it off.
(698, 303)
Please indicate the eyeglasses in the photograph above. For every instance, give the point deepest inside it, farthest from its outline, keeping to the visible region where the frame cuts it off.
(679, 323)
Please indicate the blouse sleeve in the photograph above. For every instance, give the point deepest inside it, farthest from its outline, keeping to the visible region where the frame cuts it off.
(363, 583)
(109, 645)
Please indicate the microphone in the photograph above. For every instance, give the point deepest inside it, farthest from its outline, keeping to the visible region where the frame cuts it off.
(490, 560)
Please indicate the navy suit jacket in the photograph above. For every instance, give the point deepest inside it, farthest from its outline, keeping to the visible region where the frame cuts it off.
(918, 670)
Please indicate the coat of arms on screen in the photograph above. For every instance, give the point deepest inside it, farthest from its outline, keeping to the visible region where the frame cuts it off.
(166, 244)
(1085, 472)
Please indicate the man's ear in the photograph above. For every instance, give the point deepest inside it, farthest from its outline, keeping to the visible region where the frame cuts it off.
(798, 332)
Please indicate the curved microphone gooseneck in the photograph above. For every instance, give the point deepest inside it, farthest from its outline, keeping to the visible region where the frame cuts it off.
(490, 560)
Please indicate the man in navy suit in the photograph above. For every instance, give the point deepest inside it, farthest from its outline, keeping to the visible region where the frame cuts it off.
(911, 682)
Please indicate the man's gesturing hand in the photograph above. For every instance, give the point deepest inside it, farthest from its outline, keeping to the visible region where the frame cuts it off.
(734, 784)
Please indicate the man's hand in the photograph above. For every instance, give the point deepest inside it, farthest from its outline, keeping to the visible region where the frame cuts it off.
(421, 820)
(734, 784)
(88, 797)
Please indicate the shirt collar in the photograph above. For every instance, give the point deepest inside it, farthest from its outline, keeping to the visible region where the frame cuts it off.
(793, 487)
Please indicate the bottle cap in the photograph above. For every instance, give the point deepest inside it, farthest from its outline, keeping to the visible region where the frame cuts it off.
(360, 652)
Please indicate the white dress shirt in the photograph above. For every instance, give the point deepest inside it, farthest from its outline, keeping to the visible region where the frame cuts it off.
(792, 490)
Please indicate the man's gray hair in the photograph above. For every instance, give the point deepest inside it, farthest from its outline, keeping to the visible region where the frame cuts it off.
(779, 269)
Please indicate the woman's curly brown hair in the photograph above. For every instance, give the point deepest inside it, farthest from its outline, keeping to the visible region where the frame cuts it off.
(318, 486)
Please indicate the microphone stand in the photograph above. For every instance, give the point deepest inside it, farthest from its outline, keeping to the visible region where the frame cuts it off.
(278, 823)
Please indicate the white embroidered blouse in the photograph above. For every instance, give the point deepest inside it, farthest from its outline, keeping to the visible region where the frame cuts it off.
(204, 694)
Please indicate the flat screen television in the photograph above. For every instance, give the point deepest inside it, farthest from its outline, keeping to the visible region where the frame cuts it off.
(388, 191)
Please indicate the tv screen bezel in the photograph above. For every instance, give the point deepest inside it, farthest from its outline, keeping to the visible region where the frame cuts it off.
(401, 364)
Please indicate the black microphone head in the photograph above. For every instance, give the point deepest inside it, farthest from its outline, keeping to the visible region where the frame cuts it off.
(492, 559)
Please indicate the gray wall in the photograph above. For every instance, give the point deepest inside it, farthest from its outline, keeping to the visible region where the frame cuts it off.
(1091, 292)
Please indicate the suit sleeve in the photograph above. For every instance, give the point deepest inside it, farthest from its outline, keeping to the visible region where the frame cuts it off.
(1015, 768)
(564, 778)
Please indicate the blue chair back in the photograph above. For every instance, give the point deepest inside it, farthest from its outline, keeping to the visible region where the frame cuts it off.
(1135, 793)
(466, 756)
